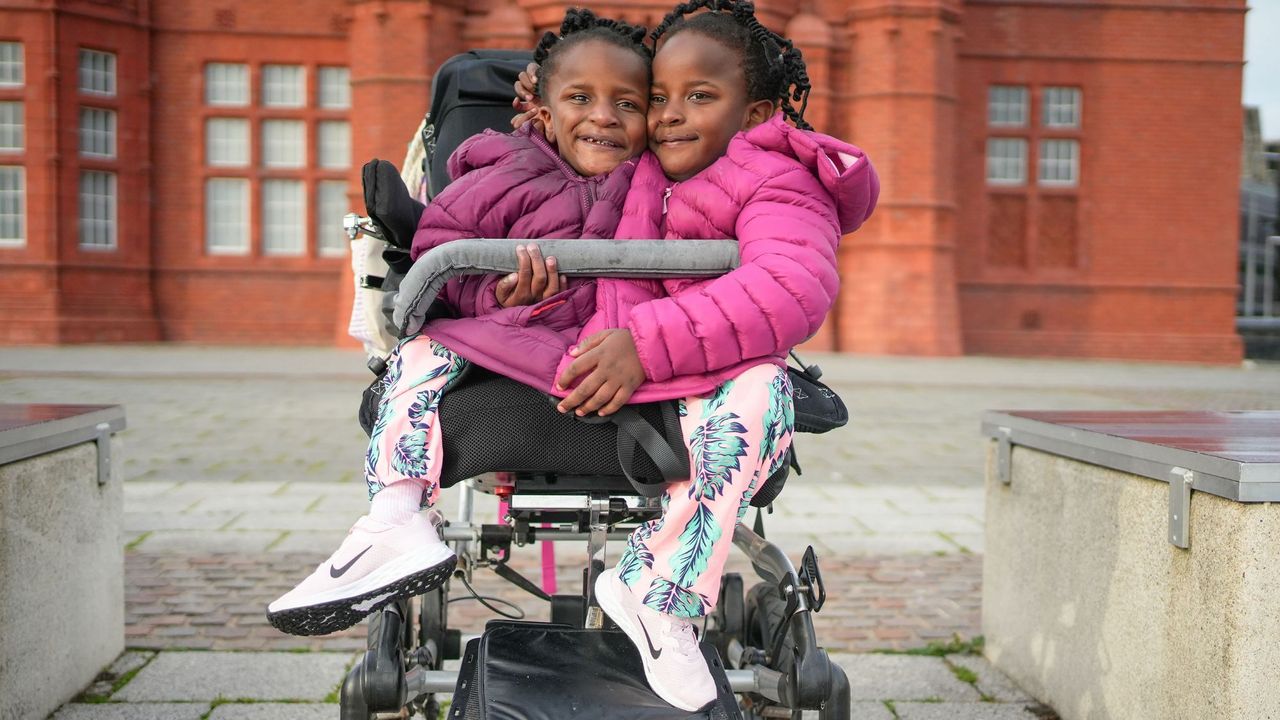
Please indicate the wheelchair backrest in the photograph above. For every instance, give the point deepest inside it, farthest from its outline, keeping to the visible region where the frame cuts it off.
(470, 93)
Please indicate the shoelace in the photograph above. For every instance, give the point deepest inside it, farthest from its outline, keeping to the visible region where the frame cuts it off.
(680, 635)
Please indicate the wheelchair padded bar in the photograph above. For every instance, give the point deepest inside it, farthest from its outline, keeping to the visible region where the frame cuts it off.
(651, 259)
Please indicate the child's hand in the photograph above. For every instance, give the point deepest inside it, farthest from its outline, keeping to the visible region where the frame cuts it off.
(526, 101)
(534, 280)
(613, 370)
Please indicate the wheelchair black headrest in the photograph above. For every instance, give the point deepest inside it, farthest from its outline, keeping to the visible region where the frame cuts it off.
(471, 92)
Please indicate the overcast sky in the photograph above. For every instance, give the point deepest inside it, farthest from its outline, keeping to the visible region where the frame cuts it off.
(1262, 68)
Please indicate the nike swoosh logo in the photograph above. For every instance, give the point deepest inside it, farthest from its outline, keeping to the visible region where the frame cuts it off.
(653, 652)
(337, 572)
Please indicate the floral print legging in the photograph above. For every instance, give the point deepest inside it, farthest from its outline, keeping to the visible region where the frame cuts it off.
(737, 436)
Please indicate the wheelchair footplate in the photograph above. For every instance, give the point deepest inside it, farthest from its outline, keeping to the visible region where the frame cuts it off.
(537, 671)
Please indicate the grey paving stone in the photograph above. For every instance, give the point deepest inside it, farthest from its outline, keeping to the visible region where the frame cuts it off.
(132, 711)
(148, 520)
(129, 661)
(960, 711)
(319, 542)
(274, 711)
(889, 544)
(237, 675)
(208, 541)
(270, 520)
(862, 710)
(903, 677)
(991, 681)
(898, 523)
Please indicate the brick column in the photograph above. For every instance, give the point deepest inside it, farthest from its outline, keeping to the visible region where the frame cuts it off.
(898, 271)
(390, 92)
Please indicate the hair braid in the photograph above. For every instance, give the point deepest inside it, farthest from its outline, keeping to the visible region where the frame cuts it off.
(774, 67)
(580, 25)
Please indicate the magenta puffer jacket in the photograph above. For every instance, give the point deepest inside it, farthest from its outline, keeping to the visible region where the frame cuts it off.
(786, 195)
(515, 185)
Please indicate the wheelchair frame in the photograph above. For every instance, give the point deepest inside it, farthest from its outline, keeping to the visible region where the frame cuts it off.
(792, 674)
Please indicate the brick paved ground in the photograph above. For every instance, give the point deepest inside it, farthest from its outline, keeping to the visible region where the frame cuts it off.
(242, 471)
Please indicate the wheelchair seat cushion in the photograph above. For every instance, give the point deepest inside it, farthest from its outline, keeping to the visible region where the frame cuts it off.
(491, 423)
(537, 671)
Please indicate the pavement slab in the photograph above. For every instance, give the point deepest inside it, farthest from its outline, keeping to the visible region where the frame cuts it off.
(991, 682)
(132, 711)
(903, 677)
(187, 676)
(961, 711)
(274, 711)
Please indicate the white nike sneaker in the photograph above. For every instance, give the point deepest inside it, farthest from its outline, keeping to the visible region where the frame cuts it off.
(673, 664)
(377, 564)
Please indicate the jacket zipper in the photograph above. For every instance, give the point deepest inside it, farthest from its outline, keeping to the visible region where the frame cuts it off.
(666, 195)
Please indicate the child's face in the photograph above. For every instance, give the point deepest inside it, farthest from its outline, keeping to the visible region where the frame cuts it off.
(594, 109)
(698, 103)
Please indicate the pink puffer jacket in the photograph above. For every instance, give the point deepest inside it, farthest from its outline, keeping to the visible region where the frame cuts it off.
(786, 195)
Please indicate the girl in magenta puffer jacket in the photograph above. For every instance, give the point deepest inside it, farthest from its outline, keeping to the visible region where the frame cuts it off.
(724, 164)
(566, 179)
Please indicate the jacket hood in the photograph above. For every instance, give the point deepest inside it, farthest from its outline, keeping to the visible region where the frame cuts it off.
(842, 168)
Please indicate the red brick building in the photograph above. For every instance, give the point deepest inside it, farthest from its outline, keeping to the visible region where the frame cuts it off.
(1059, 176)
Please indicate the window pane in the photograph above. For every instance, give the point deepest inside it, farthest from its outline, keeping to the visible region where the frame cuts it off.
(1062, 107)
(11, 131)
(1059, 162)
(283, 86)
(284, 219)
(13, 229)
(226, 142)
(331, 205)
(1007, 105)
(226, 84)
(335, 145)
(226, 216)
(284, 143)
(11, 74)
(335, 88)
(97, 72)
(97, 210)
(97, 132)
(1006, 161)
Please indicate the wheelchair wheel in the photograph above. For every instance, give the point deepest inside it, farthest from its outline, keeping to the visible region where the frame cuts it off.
(766, 615)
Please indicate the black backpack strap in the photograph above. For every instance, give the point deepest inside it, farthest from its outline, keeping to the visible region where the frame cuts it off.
(668, 453)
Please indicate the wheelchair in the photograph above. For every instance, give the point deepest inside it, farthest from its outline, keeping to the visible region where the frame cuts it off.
(565, 481)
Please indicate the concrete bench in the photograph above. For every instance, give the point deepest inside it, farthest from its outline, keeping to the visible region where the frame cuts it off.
(61, 561)
(1132, 562)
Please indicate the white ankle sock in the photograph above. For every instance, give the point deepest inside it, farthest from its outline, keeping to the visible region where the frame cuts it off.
(397, 503)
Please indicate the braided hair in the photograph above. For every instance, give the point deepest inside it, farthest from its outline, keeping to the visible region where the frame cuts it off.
(580, 25)
(773, 66)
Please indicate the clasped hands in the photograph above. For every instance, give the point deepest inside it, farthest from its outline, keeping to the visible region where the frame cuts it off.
(606, 361)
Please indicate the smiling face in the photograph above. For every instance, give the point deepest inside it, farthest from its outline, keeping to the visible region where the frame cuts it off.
(594, 106)
(698, 103)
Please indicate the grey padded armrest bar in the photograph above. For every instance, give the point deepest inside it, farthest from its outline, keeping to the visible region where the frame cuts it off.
(651, 259)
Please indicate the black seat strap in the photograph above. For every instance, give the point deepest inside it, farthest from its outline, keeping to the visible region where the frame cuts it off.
(633, 430)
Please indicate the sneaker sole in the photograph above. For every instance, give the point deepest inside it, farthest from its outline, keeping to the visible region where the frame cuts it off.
(628, 624)
(335, 615)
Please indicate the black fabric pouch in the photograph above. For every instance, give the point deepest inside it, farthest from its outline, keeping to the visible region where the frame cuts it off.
(818, 408)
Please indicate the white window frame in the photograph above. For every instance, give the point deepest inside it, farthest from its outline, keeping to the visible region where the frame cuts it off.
(331, 206)
(226, 142)
(226, 84)
(334, 88)
(1059, 162)
(284, 86)
(1062, 107)
(12, 66)
(13, 198)
(333, 144)
(12, 126)
(1008, 105)
(284, 143)
(99, 211)
(98, 132)
(1001, 163)
(97, 72)
(284, 218)
(225, 233)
